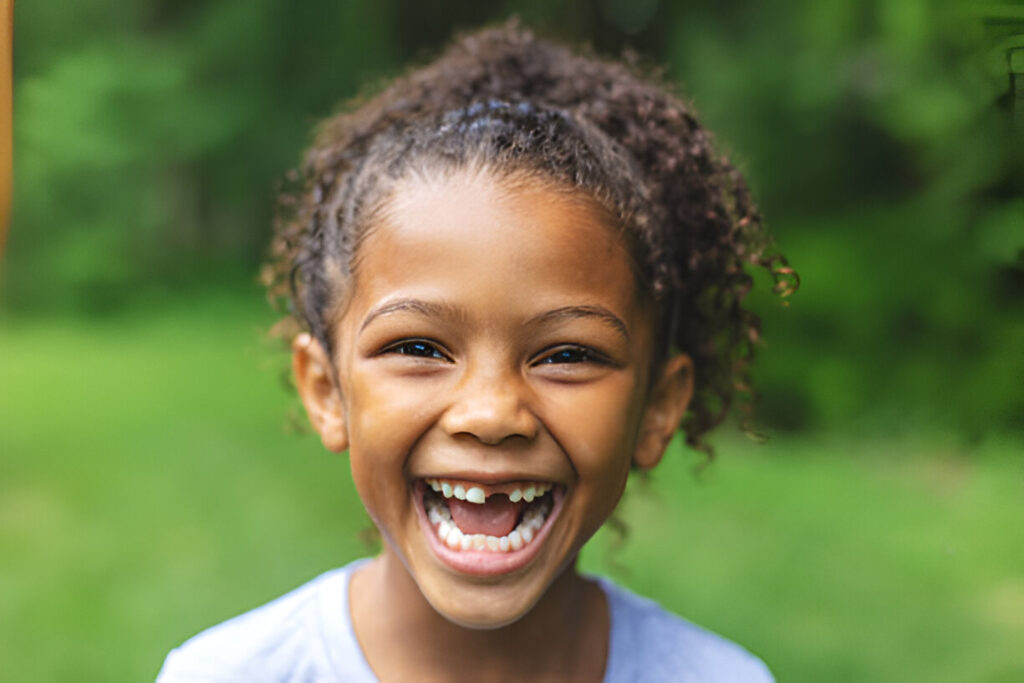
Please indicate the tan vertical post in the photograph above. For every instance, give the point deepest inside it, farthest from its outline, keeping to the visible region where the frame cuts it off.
(6, 115)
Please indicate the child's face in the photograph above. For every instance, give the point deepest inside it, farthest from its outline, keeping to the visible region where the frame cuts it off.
(495, 339)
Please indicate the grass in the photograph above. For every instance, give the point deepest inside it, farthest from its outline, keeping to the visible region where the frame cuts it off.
(150, 487)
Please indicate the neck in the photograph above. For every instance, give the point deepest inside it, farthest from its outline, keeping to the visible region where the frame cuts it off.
(560, 636)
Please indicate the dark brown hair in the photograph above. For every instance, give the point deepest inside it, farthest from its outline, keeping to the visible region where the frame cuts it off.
(503, 100)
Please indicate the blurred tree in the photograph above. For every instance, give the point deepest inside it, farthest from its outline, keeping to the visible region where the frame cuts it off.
(150, 136)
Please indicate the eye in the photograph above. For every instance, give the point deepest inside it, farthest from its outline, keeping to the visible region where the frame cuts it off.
(417, 348)
(571, 354)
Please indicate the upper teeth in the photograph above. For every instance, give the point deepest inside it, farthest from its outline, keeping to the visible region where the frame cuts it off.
(455, 538)
(476, 494)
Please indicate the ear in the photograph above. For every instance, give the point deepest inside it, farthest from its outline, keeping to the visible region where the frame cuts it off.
(319, 393)
(669, 398)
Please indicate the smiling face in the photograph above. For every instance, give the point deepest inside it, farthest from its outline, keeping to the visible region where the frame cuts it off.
(493, 367)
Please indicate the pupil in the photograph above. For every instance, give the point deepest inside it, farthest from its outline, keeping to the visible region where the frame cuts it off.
(419, 349)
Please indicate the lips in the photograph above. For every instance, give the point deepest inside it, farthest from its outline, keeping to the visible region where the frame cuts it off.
(485, 529)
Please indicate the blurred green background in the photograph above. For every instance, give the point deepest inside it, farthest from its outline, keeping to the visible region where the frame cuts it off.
(153, 477)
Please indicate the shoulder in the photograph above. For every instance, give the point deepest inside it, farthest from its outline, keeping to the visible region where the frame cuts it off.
(649, 643)
(284, 640)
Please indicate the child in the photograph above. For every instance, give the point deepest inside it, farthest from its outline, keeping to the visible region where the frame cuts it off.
(519, 270)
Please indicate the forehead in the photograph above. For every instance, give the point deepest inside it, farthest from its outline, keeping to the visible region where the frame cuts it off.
(506, 245)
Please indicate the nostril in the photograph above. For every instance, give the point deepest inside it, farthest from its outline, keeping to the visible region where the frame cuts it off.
(491, 421)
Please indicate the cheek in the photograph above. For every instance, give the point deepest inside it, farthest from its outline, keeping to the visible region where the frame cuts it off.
(386, 418)
(597, 427)
(382, 428)
(382, 415)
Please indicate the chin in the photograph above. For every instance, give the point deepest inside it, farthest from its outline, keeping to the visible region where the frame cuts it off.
(479, 611)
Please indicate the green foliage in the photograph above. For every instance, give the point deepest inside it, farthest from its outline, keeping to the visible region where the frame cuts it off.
(148, 488)
(150, 137)
(149, 491)
(878, 137)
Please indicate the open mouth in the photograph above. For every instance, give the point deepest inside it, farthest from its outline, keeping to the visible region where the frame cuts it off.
(487, 529)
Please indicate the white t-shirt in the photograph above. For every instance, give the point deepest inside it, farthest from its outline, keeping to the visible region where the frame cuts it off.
(307, 636)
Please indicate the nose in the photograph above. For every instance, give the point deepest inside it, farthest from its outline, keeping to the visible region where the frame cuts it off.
(491, 406)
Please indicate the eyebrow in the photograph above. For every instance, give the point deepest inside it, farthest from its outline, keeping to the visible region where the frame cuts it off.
(417, 306)
(599, 313)
(435, 309)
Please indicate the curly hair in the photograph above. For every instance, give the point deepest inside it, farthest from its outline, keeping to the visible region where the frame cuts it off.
(503, 100)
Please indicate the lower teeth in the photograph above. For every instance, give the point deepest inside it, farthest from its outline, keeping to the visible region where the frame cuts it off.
(452, 536)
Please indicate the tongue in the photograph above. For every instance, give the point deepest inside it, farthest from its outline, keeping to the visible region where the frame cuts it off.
(496, 517)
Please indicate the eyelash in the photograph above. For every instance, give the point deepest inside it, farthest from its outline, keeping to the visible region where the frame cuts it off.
(577, 354)
(570, 355)
(417, 348)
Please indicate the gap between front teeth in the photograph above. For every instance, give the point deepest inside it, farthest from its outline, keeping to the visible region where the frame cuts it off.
(452, 536)
(476, 494)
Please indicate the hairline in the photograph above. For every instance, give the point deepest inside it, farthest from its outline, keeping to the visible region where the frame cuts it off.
(518, 178)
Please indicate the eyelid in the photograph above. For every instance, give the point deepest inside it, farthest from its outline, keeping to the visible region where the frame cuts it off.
(393, 346)
(591, 354)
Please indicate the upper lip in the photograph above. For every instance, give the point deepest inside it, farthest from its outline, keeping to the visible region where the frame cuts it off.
(524, 486)
(491, 478)
(491, 467)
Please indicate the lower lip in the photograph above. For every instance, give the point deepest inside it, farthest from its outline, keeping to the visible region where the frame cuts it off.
(486, 562)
